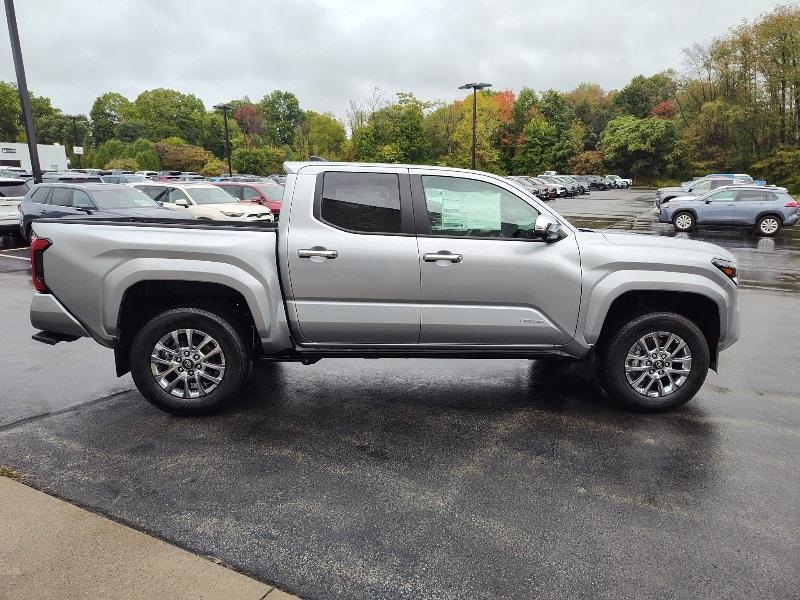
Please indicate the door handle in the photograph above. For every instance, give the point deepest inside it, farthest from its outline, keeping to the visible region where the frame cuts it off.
(320, 252)
(442, 255)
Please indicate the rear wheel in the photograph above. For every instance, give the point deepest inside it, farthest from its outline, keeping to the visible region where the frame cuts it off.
(768, 225)
(188, 361)
(656, 362)
(684, 221)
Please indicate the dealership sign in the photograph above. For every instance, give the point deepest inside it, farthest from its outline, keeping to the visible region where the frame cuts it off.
(77, 149)
(9, 150)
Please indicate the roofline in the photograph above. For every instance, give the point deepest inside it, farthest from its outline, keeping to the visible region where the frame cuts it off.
(294, 167)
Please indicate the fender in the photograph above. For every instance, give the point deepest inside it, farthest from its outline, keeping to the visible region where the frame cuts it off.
(263, 299)
(618, 283)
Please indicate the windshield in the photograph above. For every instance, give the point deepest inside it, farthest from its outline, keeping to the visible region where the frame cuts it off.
(122, 198)
(274, 193)
(13, 190)
(210, 195)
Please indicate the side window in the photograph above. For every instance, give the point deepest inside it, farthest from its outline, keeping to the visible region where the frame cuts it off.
(40, 195)
(249, 194)
(176, 194)
(470, 208)
(703, 186)
(80, 199)
(61, 197)
(364, 202)
(723, 196)
(751, 196)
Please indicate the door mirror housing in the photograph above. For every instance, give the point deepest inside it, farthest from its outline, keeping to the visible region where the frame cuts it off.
(547, 228)
(182, 203)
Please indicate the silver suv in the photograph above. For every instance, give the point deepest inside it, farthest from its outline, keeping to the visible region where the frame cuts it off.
(766, 209)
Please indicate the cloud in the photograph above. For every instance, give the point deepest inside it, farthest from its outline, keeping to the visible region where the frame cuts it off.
(328, 52)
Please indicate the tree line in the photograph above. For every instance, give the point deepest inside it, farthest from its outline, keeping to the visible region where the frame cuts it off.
(734, 107)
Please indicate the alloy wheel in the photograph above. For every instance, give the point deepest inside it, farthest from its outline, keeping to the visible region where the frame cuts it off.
(188, 363)
(769, 225)
(683, 222)
(658, 364)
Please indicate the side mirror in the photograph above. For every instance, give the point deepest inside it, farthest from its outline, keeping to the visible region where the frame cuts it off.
(547, 228)
(182, 203)
(708, 201)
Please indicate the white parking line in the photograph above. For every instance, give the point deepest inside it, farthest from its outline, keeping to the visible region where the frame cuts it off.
(2, 255)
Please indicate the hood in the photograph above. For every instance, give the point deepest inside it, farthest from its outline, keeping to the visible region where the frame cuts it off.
(146, 213)
(677, 188)
(660, 242)
(244, 207)
(683, 198)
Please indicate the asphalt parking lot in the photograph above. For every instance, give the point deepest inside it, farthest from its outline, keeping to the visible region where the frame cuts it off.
(446, 479)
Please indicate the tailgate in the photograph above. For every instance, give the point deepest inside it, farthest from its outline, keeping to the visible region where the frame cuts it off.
(9, 209)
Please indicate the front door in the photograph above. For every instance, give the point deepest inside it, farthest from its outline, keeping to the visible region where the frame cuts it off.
(485, 279)
(718, 209)
(352, 259)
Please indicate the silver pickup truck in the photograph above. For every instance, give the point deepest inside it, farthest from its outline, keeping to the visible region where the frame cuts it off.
(385, 261)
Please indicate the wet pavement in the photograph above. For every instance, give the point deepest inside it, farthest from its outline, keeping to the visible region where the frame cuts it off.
(451, 478)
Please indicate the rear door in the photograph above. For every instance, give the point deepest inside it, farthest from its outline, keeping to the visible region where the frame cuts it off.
(60, 204)
(485, 279)
(749, 204)
(352, 258)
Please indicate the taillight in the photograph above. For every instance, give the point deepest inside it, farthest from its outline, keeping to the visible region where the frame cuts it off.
(792, 204)
(38, 246)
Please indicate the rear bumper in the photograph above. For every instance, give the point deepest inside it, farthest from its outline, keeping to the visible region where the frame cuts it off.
(49, 315)
(791, 219)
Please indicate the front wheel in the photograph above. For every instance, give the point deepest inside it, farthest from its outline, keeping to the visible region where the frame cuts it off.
(684, 221)
(768, 225)
(656, 362)
(189, 361)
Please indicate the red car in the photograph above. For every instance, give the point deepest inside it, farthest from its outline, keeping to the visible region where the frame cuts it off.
(265, 194)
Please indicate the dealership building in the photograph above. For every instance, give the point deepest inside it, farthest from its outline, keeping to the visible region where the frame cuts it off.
(51, 157)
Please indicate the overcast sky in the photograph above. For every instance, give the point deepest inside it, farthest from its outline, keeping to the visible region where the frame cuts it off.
(328, 52)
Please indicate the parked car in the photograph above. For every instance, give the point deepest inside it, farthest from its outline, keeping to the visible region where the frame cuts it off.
(266, 194)
(571, 189)
(59, 200)
(697, 188)
(766, 209)
(619, 181)
(124, 178)
(12, 191)
(737, 178)
(530, 186)
(551, 173)
(583, 188)
(386, 260)
(167, 176)
(551, 189)
(70, 177)
(595, 182)
(147, 174)
(203, 201)
(191, 177)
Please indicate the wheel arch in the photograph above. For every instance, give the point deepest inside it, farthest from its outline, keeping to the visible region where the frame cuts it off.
(771, 212)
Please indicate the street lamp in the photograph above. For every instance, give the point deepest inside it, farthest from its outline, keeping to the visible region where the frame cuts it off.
(474, 87)
(225, 108)
(75, 143)
(22, 87)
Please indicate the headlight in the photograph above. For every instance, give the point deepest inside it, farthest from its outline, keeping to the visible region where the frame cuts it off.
(728, 269)
(230, 214)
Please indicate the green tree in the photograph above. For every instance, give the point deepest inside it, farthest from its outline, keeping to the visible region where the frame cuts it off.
(537, 151)
(108, 111)
(108, 151)
(214, 168)
(144, 151)
(258, 161)
(9, 112)
(643, 93)
(125, 164)
(180, 156)
(171, 113)
(282, 116)
(640, 147)
(320, 135)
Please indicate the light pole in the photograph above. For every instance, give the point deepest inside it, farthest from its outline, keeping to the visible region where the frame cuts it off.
(225, 108)
(474, 87)
(22, 87)
(75, 143)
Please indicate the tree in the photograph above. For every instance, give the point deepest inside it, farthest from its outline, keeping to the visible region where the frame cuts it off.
(258, 161)
(641, 147)
(171, 113)
(643, 93)
(144, 152)
(320, 135)
(10, 111)
(250, 120)
(589, 162)
(537, 151)
(108, 151)
(124, 164)
(282, 116)
(214, 168)
(179, 156)
(108, 111)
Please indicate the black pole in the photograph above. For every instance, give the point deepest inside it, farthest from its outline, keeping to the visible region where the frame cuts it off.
(75, 136)
(227, 139)
(474, 121)
(22, 87)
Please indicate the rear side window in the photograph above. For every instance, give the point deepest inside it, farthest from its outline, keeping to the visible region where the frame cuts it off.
(751, 196)
(363, 202)
(61, 197)
(40, 195)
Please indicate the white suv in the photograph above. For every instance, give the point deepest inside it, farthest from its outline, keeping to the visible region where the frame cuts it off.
(204, 201)
(619, 181)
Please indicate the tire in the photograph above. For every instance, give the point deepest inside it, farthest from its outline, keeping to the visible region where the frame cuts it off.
(768, 225)
(214, 383)
(683, 221)
(664, 388)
